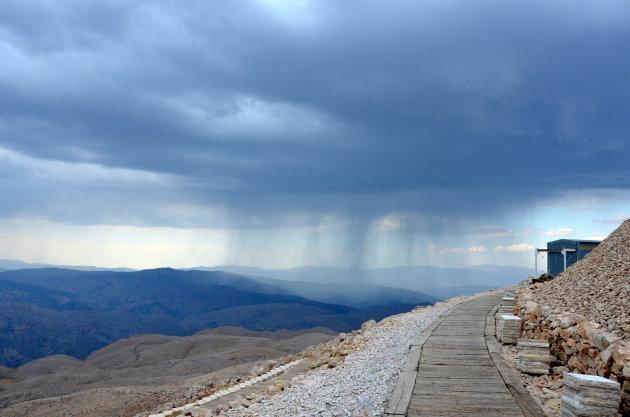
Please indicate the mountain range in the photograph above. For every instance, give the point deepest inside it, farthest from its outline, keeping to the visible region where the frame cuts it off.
(438, 282)
(50, 311)
(47, 311)
(11, 264)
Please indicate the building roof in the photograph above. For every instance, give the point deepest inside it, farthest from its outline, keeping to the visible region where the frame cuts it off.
(575, 240)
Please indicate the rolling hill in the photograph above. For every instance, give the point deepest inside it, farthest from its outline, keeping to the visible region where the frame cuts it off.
(147, 362)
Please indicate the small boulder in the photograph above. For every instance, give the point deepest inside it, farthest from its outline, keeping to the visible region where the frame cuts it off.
(602, 340)
(368, 325)
(200, 412)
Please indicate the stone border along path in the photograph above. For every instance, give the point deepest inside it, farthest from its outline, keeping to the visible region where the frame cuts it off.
(227, 391)
(455, 368)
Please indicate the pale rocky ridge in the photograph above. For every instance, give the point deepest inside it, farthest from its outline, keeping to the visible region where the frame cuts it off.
(138, 373)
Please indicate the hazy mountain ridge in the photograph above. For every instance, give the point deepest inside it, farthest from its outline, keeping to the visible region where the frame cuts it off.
(415, 278)
(13, 264)
(420, 278)
(357, 295)
(56, 311)
(110, 291)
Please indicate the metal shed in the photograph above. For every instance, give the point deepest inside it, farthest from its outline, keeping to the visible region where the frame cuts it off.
(563, 253)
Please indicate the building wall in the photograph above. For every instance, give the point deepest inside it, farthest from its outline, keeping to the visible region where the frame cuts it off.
(555, 260)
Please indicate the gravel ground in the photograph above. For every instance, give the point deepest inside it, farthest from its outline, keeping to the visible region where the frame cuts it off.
(361, 385)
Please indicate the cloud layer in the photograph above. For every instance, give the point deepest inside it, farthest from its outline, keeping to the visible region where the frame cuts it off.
(279, 112)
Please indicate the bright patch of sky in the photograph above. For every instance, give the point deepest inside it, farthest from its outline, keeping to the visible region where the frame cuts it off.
(385, 243)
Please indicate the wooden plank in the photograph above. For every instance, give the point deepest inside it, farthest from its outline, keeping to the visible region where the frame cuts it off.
(470, 318)
(464, 402)
(447, 395)
(455, 359)
(438, 361)
(476, 342)
(491, 323)
(401, 397)
(459, 366)
(456, 376)
(412, 360)
(463, 383)
(430, 385)
(472, 408)
(456, 339)
(433, 413)
(472, 328)
(464, 368)
(474, 348)
(459, 347)
(455, 327)
(473, 321)
(455, 351)
(458, 330)
(474, 412)
(452, 338)
(484, 373)
(461, 404)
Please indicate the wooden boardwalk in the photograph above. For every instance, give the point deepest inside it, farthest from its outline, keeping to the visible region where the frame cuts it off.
(455, 369)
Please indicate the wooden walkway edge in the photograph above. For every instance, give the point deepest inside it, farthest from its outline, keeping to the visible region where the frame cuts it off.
(455, 368)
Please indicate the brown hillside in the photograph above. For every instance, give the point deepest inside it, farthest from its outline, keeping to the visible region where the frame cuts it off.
(150, 368)
(597, 287)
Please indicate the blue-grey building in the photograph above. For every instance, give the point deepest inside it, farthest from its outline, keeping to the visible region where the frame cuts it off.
(563, 253)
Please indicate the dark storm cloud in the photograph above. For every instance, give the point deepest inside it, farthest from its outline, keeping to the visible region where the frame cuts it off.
(318, 107)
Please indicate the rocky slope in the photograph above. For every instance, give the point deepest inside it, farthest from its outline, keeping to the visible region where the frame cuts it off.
(597, 287)
(584, 314)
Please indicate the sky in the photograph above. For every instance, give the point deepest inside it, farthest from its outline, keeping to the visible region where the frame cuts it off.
(280, 133)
